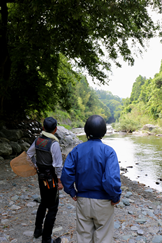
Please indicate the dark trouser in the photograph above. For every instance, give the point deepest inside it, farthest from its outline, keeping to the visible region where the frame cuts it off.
(50, 201)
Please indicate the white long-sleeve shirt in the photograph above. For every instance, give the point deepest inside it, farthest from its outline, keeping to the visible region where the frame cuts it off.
(55, 152)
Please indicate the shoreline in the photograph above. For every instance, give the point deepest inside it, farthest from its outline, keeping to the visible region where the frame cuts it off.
(146, 192)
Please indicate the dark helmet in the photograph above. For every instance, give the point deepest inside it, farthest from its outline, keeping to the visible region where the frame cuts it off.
(95, 127)
(50, 124)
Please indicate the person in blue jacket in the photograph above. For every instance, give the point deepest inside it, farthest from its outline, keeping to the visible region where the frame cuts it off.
(91, 175)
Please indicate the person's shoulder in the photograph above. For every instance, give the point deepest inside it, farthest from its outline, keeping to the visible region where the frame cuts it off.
(78, 146)
(55, 143)
(108, 148)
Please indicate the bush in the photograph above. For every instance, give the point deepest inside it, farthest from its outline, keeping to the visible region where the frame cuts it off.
(127, 125)
(66, 126)
(77, 124)
(157, 130)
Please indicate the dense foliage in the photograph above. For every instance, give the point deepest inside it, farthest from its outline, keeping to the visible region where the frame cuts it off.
(144, 105)
(84, 103)
(113, 102)
(34, 33)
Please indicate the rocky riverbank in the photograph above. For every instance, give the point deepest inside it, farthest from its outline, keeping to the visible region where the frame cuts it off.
(138, 217)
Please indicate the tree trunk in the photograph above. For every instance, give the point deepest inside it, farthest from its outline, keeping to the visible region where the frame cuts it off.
(5, 62)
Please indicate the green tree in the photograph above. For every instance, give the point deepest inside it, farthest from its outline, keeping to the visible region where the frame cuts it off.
(136, 90)
(33, 33)
(113, 102)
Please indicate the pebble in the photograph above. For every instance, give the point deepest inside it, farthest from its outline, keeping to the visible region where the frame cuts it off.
(56, 229)
(28, 233)
(31, 204)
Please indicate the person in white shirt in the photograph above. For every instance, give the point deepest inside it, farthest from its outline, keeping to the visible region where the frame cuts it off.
(48, 162)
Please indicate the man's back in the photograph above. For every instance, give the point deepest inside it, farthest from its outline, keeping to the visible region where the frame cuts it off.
(96, 170)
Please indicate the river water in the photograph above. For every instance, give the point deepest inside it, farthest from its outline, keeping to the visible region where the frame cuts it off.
(140, 157)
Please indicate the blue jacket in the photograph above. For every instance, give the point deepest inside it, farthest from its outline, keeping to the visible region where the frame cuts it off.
(94, 169)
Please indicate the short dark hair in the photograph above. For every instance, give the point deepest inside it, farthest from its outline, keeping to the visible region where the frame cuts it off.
(50, 124)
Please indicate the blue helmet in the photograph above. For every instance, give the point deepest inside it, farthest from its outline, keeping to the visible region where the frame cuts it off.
(95, 127)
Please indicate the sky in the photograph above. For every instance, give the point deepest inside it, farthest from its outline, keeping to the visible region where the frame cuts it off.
(123, 78)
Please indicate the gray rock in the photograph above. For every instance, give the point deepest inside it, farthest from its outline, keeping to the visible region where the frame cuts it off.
(4, 221)
(35, 196)
(57, 229)
(131, 241)
(25, 146)
(128, 194)
(24, 197)
(1, 159)
(16, 147)
(14, 207)
(140, 232)
(141, 221)
(31, 204)
(66, 137)
(34, 212)
(144, 213)
(5, 148)
(14, 198)
(130, 212)
(134, 228)
(157, 239)
(148, 127)
(126, 202)
(151, 214)
(2, 135)
(149, 190)
(28, 233)
(140, 239)
(120, 205)
(117, 224)
(126, 237)
(12, 135)
(70, 206)
(3, 240)
(13, 241)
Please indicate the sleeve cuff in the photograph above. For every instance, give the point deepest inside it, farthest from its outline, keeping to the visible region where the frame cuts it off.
(116, 199)
(73, 193)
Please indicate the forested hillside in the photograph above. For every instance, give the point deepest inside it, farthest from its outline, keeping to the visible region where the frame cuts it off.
(113, 102)
(144, 105)
(85, 101)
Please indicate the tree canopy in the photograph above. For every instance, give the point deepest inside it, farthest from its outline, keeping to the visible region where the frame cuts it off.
(34, 34)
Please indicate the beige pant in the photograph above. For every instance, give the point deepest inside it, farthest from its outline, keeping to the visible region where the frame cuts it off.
(95, 220)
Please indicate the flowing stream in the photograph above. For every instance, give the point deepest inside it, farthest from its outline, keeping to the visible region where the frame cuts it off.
(140, 157)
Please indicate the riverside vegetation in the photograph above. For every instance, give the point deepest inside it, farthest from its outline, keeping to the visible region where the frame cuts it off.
(144, 105)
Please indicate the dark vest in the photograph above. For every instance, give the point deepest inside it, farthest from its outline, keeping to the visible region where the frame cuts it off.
(43, 154)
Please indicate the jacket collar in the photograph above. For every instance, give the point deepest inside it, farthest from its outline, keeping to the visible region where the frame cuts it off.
(49, 135)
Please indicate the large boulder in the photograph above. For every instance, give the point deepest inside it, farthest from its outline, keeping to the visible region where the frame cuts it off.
(149, 127)
(24, 146)
(16, 147)
(5, 148)
(66, 137)
(12, 135)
